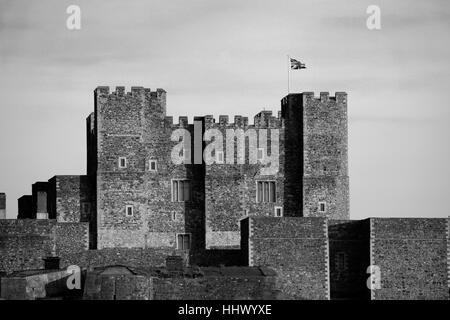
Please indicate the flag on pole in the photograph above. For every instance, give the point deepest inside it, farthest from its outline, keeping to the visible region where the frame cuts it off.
(296, 65)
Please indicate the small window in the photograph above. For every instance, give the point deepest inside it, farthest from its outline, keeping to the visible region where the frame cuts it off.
(184, 241)
(219, 156)
(152, 165)
(265, 191)
(278, 212)
(322, 207)
(260, 154)
(246, 212)
(174, 216)
(129, 211)
(181, 190)
(122, 162)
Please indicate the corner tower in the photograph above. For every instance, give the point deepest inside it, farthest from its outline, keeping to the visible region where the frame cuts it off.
(316, 155)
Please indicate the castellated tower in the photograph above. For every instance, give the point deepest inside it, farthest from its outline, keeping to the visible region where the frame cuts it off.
(316, 155)
(134, 172)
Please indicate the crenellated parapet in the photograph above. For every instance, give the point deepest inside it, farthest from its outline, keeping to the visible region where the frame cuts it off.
(134, 92)
(153, 101)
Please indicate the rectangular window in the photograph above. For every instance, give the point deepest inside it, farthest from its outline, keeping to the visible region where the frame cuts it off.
(266, 191)
(152, 165)
(184, 241)
(122, 162)
(219, 156)
(278, 212)
(129, 210)
(322, 207)
(181, 190)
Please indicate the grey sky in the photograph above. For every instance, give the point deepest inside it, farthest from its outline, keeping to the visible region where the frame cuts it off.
(229, 57)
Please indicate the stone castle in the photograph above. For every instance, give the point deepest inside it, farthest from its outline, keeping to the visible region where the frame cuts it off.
(136, 207)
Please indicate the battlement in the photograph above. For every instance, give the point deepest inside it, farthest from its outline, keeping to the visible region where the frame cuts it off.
(125, 105)
(135, 91)
(340, 97)
(264, 119)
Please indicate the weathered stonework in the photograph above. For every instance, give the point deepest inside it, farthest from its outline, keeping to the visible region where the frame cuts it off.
(24, 243)
(412, 256)
(119, 283)
(296, 248)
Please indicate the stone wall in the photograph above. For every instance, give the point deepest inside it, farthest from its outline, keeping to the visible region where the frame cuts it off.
(130, 257)
(34, 285)
(72, 198)
(24, 243)
(297, 249)
(219, 287)
(115, 283)
(412, 256)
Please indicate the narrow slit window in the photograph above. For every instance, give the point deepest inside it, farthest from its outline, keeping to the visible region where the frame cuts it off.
(152, 165)
(122, 162)
(322, 206)
(278, 212)
(129, 211)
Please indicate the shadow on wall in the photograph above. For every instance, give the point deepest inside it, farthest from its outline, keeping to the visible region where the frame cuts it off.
(59, 288)
(195, 218)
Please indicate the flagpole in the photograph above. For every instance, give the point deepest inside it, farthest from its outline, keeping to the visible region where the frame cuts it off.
(289, 72)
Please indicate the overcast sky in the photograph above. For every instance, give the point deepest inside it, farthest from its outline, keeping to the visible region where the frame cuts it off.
(229, 57)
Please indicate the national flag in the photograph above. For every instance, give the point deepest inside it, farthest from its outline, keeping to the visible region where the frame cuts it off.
(296, 65)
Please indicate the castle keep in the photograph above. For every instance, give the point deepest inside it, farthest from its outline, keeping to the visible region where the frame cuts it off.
(133, 128)
(136, 206)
